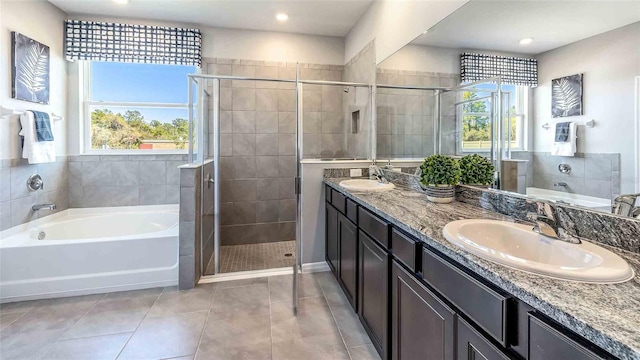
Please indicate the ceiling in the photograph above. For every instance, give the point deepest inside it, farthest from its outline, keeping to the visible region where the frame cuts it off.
(500, 25)
(316, 17)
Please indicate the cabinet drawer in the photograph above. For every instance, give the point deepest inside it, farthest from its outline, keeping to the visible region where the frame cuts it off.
(545, 342)
(405, 249)
(472, 345)
(352, 211)
(327, 193)
(486, 306)
(375, 227)
(338, 200)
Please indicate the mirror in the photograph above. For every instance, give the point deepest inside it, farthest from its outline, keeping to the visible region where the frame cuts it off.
(589, 50)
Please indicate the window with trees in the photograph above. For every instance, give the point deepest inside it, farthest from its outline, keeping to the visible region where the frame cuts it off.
(136, 107)
(474, 119)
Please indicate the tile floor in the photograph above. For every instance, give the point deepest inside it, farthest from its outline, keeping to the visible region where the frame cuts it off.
(242, 319)
(234, 258)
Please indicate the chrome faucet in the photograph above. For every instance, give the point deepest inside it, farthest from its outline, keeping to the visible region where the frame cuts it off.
(625, 205)
(560, 184)
(376, 173)
(38, 207)
(548, 224)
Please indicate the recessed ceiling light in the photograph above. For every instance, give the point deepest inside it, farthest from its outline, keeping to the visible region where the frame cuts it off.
(526, 41)
(282, 17)
(121, 1)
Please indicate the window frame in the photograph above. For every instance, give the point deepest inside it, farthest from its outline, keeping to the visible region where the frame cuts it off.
(87, 103)
(521, 101)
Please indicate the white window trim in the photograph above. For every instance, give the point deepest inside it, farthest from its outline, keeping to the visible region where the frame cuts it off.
(85, 133)
(520, 99)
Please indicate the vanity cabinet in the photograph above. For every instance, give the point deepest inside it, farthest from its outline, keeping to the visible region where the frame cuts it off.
(417, 303)
(423, 326)
(373, 292)
(348, 250)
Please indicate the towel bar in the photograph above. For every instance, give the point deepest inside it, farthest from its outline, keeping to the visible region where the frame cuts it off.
(5, 112)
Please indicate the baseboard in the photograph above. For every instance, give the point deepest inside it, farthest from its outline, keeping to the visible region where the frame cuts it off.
(315, 267)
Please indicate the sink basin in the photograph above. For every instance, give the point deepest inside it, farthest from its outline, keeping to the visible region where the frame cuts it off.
(365, 185)
(517, 246)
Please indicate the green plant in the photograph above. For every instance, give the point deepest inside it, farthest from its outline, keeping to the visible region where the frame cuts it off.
(439, 170)
(476, 170)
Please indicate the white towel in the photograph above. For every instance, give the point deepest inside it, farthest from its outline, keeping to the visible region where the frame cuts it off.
(565, 148)
(35, 151)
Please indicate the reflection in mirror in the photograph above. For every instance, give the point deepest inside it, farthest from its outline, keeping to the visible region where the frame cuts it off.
(423, 109)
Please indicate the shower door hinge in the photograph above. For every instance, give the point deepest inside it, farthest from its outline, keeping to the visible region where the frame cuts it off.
(298, 186)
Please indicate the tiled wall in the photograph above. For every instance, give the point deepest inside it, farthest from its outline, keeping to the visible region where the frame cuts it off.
(591, 174)
(360, 69)
(124, 180)
(190, 221)
(405, 118)
(16, 199)
(257, 156)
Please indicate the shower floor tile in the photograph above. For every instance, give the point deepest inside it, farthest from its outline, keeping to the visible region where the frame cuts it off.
(234, 258)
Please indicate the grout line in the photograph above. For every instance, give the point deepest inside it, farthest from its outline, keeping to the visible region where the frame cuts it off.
(334, 320)
(143, 318)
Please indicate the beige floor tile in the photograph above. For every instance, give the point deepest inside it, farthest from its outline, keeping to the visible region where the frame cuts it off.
(349, 325)
(16, 307)
(95, 348)
(363, 352)
(246, 338)
(27, 345)
(313, 318)
(236, 283)
(172, 302)
(8, 319)
(132, 294)
(166, 337)
(321, 347)
(241, 301)
(281, 287)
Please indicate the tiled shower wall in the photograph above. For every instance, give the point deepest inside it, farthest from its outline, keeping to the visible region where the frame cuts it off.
(592, 174)
(257, 145)
(16, 199)
(405, 118)
(124, 180)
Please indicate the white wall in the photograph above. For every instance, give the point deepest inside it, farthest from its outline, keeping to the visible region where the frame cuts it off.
(609, 62)
(393, 24)
(43, 22)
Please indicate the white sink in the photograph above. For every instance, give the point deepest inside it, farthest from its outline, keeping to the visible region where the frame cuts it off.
(517, 246)
(365, 185)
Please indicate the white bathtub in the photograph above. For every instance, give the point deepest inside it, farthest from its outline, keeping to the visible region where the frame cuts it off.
(594, 203)
(86, 251)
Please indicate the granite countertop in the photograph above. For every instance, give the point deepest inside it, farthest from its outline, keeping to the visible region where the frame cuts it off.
(607, 315)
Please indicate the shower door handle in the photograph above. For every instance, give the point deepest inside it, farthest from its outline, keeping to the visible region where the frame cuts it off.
(210, 181)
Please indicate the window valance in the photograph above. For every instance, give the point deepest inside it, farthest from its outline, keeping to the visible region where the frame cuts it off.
(102, 41)
(512, 70)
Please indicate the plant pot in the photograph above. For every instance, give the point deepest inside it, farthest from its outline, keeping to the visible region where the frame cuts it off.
(440, 194)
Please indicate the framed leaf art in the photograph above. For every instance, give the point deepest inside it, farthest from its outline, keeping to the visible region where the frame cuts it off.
(29, 69)
(566, 96)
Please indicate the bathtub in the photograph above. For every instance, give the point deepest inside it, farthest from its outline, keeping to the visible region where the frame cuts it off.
(594, 203)
(88, 251)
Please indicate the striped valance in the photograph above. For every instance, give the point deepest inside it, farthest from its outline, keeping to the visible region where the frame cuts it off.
(512, 70)
(101, 41)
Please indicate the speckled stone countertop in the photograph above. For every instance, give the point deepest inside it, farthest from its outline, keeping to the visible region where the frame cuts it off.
(607, 315)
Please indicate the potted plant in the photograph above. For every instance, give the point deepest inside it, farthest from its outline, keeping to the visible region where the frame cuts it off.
(439, 176)
(476, 170)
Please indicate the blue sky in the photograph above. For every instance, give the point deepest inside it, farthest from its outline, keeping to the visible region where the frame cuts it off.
(130, 82)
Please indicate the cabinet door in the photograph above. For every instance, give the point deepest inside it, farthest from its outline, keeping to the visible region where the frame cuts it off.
(422, 325)
(373, 295)
(331, 238)
(473, 346)
(546, 343)
(348, 250)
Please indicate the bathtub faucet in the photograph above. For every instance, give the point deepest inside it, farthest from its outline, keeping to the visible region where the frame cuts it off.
(560, 184)
(37, 207)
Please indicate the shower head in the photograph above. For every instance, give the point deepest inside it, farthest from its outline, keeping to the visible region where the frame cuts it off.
(346, 90)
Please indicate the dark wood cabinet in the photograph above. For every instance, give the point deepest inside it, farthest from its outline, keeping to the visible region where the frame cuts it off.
(547, 343)
(348, 254)
(473, 346)
(423, 327)
(331, 238)
(373, 296)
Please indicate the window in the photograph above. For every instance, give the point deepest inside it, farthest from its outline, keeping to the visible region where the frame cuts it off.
(474, 118)
(136, 107)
